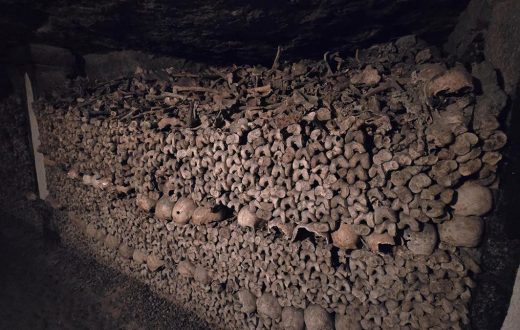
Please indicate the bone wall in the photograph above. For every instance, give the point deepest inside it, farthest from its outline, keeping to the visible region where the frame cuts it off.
(335, 194)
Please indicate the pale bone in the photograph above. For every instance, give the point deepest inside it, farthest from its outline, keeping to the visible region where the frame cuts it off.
(419, 182)
(495, 141)
(154, 263)
(317, 229)
(203, 215)
(462, 231)
(473, 199)
(421, 242)
(464, 143)
(292, 319)
(183, 210)
(375, 241)
(278, 225)
(450, 81)
(201, 275)
(186, 269)
(317, 318)
(268, 306)
(247, 300)
(145, 203)
(139, 256)
(247, 218)
(163, 208)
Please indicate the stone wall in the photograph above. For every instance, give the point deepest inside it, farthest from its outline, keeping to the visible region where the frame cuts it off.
(17, 171)
(224, 31)
(491, 28)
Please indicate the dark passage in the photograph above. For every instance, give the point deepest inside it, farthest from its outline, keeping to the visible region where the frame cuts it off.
(45, 286)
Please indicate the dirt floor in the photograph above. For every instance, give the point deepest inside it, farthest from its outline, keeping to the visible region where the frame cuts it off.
(45, 286)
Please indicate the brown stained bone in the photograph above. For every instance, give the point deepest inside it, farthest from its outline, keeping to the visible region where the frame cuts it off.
(439, 133)
(49, 162)
(186, 269)
(277, 225)
(145, 203)
(122, 189)
(101, 183)
(154, 263)
(87, 179)
(428, 71)
(369, 76)
(445, 172)
(383, 214)
(496, 141)
(163, 123)
(345, 237)
(73, 173)
(100, 235)
(491, 157)
(379, 242)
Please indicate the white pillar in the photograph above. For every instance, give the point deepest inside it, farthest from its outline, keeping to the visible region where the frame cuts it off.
(512, 319)
(35, 137)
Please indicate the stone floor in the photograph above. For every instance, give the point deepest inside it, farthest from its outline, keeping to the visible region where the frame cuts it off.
(45, 286)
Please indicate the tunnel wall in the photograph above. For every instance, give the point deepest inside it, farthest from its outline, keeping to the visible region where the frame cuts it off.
(17, 170)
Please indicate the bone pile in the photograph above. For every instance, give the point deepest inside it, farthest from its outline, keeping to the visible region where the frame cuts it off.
(345, 193)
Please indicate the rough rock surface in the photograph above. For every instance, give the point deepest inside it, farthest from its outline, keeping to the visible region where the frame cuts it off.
(224, 30)
(492, 29)
(503, 42)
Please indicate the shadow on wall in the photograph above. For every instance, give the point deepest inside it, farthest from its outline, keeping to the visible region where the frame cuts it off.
(5, 84)
(501, 244)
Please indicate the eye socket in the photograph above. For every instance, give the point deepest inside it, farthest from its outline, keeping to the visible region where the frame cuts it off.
(385, 248)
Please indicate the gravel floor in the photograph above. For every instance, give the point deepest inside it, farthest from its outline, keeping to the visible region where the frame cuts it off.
(45, 286)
